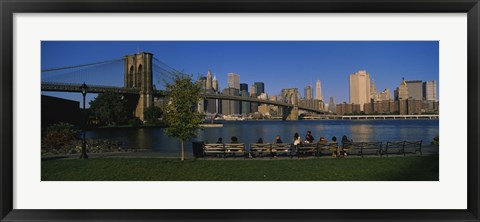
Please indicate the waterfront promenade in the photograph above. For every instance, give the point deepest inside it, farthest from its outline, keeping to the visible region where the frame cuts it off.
(371, 117)
(426, 150)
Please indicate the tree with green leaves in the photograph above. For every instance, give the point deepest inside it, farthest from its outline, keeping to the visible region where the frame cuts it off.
(109, 108)
(153, 114)
(181, 116)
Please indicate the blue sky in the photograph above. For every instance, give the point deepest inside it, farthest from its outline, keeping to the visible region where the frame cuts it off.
(279, 64)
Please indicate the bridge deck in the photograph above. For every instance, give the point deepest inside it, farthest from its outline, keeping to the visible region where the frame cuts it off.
(67, 87)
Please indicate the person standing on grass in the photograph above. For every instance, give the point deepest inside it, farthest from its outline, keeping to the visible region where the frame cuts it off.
(309, 138)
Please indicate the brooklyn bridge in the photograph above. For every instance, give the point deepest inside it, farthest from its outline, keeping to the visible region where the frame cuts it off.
(139, 77)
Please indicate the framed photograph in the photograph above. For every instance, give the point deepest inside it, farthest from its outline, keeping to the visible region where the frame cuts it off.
(269, 110)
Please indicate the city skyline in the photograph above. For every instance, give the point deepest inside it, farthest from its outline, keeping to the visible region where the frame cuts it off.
(277, 64)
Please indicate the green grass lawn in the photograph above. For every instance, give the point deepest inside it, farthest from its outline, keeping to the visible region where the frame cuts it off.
(416, 168)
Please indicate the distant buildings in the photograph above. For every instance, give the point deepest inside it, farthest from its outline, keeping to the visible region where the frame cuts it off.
(331, 105)
(415, 89)
(379, 96)
(244, 106)
(430, 91)
(209, 80)
(253, 91)
(318, 91)
(308, 92)
(410, 97)
(215, 86)
(259, 88)
(229, 106)
(347, 108)
(360, 88)
(402, 91)
(234, 81)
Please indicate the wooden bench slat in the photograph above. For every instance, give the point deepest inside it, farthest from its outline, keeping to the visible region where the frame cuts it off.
(260, 149)
(362, 148)
(281, 149)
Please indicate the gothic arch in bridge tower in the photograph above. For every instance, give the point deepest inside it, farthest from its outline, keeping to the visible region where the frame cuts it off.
(138, 75)
(290, 96)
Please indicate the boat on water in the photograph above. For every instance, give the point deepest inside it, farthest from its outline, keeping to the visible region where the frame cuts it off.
(233, 117)
(209, 125)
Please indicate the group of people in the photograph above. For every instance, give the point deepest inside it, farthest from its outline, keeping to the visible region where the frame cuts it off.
(297, 140)
(234, 139)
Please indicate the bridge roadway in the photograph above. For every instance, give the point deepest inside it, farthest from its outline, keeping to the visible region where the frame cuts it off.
(70, 87)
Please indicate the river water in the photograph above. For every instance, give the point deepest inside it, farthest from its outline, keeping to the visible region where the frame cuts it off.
(154, 138)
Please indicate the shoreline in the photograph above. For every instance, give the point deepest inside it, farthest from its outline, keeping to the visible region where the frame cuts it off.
(147, 153)
(219, 122)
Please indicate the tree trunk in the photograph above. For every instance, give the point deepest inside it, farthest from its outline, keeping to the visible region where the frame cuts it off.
(183, 152)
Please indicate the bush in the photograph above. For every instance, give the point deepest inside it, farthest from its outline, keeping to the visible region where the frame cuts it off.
(135, 122)
(436, 140)
(58, 135)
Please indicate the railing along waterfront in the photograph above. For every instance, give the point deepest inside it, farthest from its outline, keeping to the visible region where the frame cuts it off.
(372, 117)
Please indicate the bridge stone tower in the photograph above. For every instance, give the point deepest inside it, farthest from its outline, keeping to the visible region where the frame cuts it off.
(138, 75)
(290, 96)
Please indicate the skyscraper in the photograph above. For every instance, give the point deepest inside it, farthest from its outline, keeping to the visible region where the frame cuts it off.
(230, 106)
(253, 90)
(318, 90)
(243, 86)
(260, 88)
(403, 90)
(234, 81)
(209, 80)
(244, 106)
(415, 89)
(331, 105)
(308, 92)
(430, 90)
(372, 87)
(360, 88)
(215, 84)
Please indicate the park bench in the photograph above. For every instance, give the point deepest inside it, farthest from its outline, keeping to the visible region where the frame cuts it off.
(403, 147)
(260, 149)
(307, 149)
(235, 149)
(362, 148)
(214, 149)
(328, 149)
(279, 149)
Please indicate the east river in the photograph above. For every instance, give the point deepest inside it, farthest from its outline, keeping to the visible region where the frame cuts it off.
(154, 138)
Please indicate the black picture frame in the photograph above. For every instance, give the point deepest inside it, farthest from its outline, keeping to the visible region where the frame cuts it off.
(9, 7)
